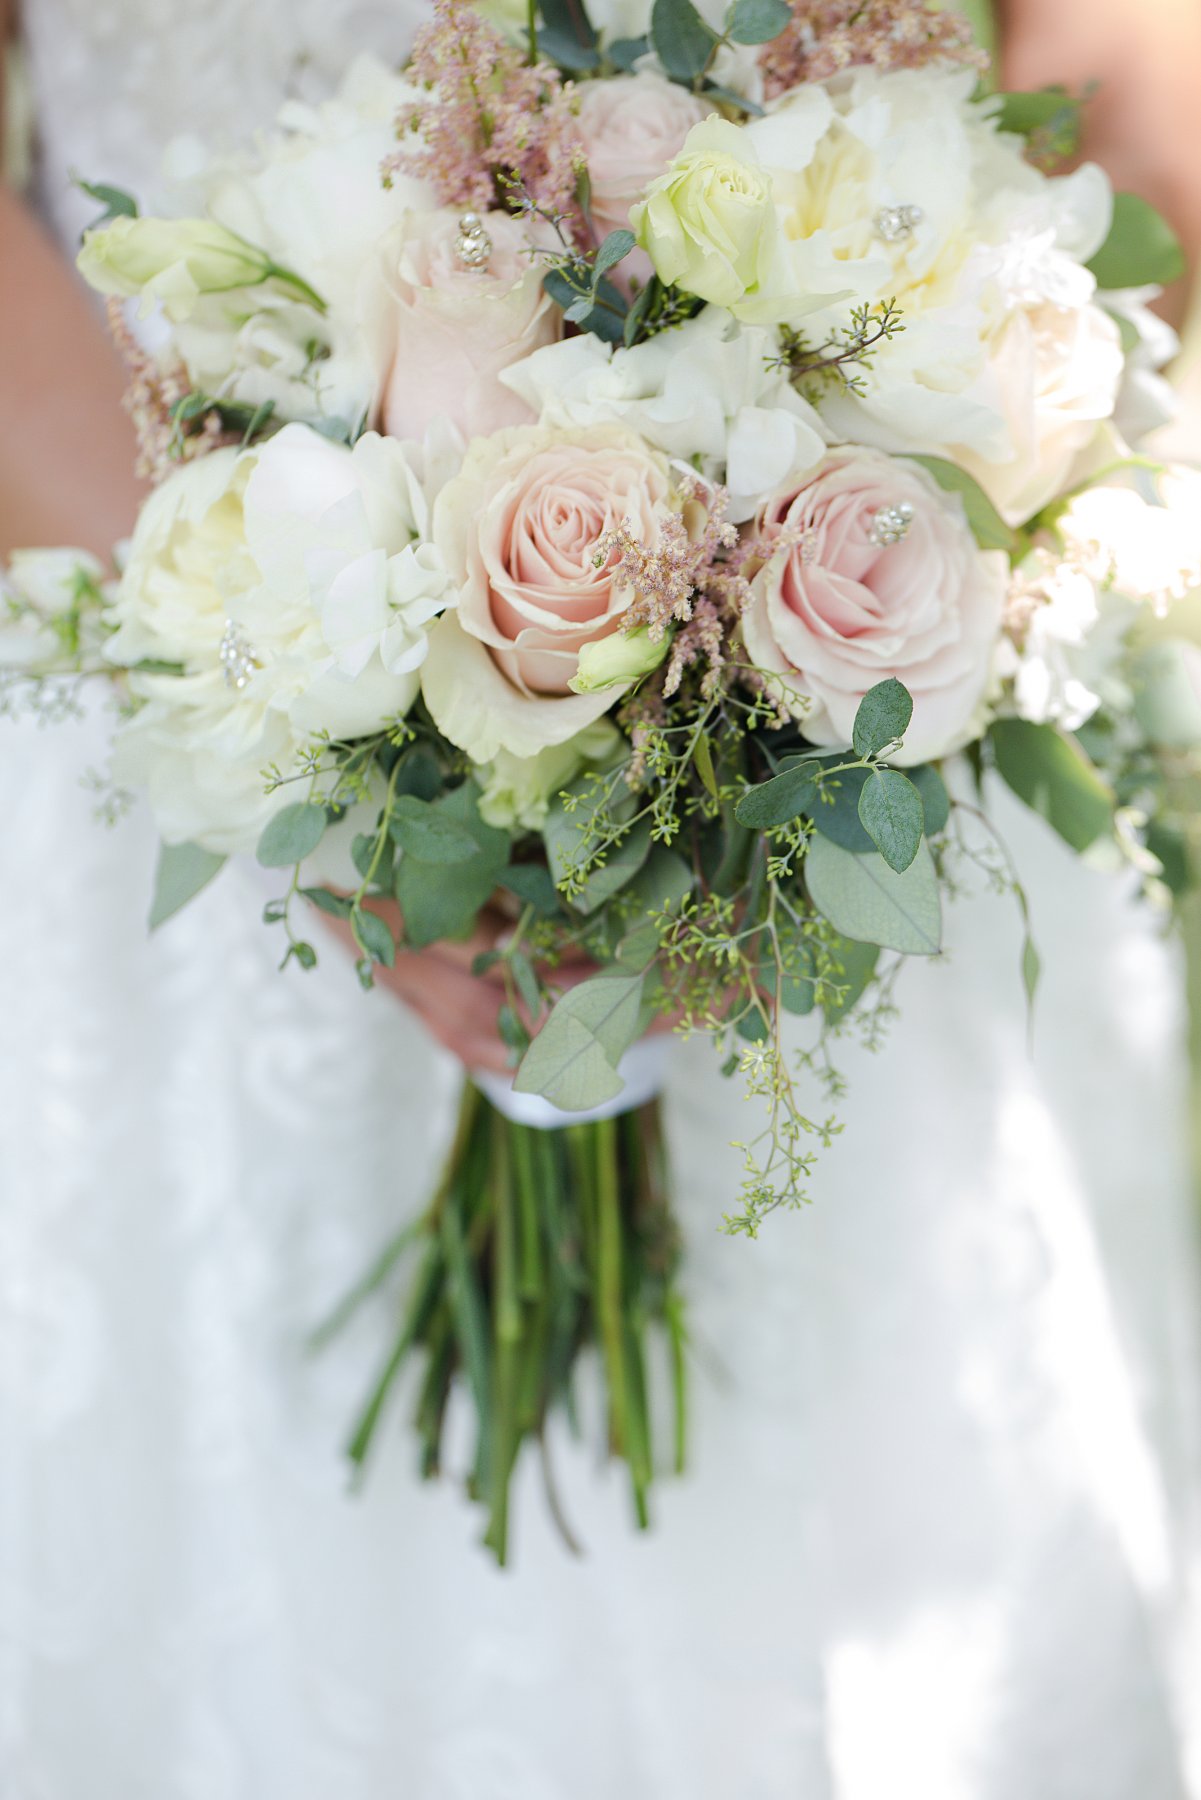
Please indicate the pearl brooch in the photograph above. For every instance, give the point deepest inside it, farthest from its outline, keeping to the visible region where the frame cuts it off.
(236, 656)
(891, 524)
(895, 223)
(473, 246)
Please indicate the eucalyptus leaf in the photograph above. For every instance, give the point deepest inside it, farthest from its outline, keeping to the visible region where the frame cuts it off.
(373, 936)
(836, 813)
(568, 20)
(988, 527)
(291, 834)
(617, 245)
(682, 40)
(857, 964)
(183, 870)
(1054, 777)
(531, 882)
(427, 832)
(780, 800)
(625, 52)
(335, 906)
(866, 900)
(441, 900)
(883, 717)
(793, 976)
(936, 802)
(757, 21)
(890, 811)
(1141, 250)
(661, 885)
(1050, 111)
(557, 46)
(527, 982)
(573, 1060)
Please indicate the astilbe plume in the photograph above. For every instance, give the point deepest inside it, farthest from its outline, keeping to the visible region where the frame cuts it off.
(687, 579)
(153, 391)
(488, 121)
(828, 36)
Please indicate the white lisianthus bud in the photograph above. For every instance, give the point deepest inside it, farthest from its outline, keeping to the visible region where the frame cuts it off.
(617, 660)
(175, 261)
(708, 223)
(516, 791)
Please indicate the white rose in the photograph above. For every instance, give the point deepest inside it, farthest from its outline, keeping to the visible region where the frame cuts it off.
(706, 393)
(290, 586)
(708, 224)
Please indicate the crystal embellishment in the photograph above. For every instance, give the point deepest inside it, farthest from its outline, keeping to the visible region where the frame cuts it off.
(895, 223)
(473, 246)
(236, 655)
(891, 524)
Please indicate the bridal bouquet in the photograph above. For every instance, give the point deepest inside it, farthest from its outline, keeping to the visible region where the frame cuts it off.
(599, 482)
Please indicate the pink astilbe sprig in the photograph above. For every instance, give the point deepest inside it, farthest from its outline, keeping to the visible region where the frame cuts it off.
(688, 579)
(487, 121)
(828, 36)
(154, 390)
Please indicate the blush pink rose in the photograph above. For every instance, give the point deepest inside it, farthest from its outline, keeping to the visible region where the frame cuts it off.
(519, 530)
(631, 127)
(836, 608)
(444, 330)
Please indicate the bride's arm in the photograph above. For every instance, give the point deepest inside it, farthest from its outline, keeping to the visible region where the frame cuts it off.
(1144, 122)
(66, 447)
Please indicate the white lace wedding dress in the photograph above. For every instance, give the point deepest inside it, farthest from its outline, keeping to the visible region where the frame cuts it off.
(938, 1540)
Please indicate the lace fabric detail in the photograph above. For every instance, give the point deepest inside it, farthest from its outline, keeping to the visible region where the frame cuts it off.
(939, 1536)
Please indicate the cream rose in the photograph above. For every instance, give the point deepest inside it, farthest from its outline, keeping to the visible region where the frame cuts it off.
(709, 222)
(871, 571)
(290, 587)
(444, 328)
(518, 529)
(631, 128)
(1055, 371)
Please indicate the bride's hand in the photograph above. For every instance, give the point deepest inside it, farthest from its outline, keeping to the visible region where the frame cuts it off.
(459, 1009)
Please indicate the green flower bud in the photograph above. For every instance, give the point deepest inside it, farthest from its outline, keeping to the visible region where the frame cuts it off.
(617, 660)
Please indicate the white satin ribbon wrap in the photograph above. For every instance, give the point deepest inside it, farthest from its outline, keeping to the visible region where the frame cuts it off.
(643, 1068)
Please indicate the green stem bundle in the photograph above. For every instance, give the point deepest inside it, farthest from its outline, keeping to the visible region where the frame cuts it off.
(537, 1247)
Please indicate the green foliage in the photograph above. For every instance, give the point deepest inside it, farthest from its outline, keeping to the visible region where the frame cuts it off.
(988, 527)
(936, 802)
(566, 36)
(882, 719)
(441, 898)
(373, 936)
(1053, 776)
(1141, 249)
(1050, 118)
(757, 21)
(183, 870)
(779, 800)
(682, 40)
(426, 831)
(291, 834)
(116, 202)
(890, 810)
(573, 1060)
(864, 899)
